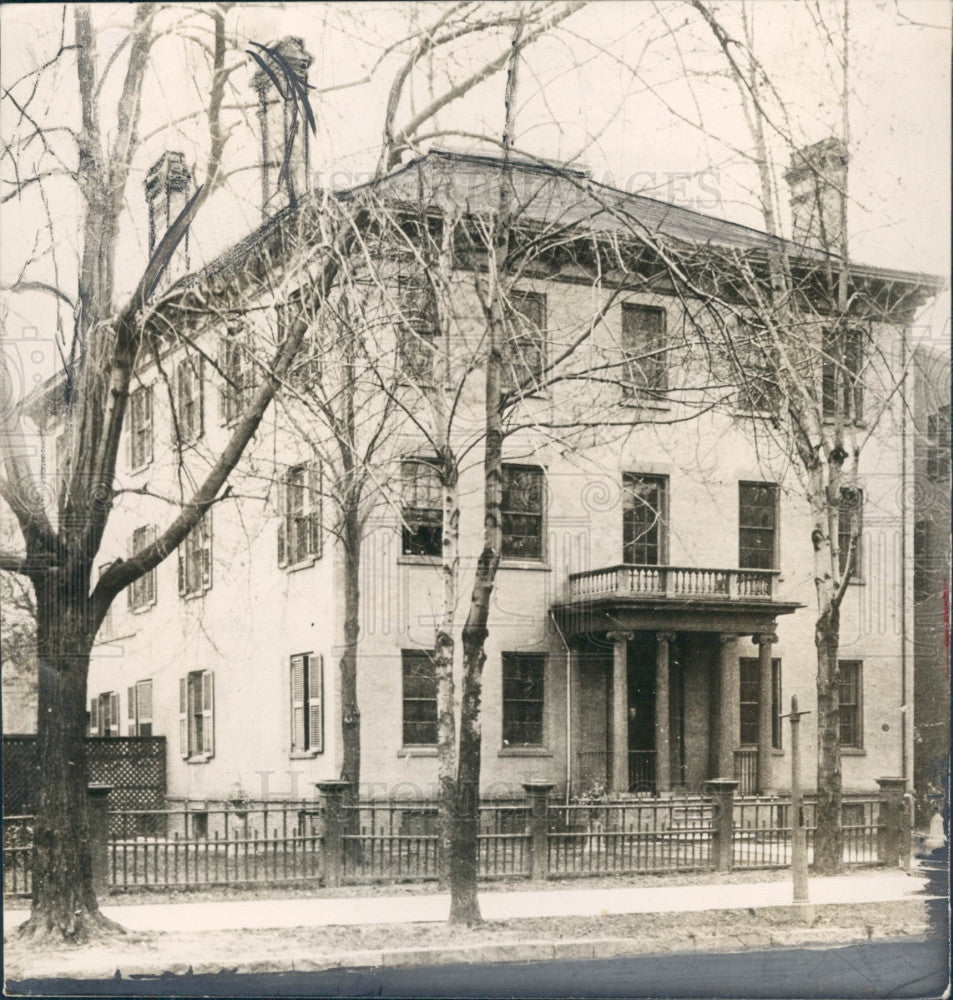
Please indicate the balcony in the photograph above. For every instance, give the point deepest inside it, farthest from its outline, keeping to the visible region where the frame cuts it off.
(687, 582)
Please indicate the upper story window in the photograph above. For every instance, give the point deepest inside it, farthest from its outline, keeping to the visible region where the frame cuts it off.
(142, 592)
(197, 714)
(421, 509)
(644, 502)
(417, 326)
(524, 350)
(755, 366)
(842, 387)
(645, 372)
(305, 370)
(307, 697)
(239, 376)
(139, 702)
(104, 714)
(299, 532)
(419, 676)
(195, 558)
(189, 399)
(849, 711)
(750, 701)
(522, 512)
(938, 446)
(523, 687)
(140, 427)
(849, 525)
(757, 525)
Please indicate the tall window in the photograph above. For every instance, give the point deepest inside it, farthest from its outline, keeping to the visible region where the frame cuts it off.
(419, 698)
(842, 386)
(307, 689)
(104, 714)
(197, 714)
(195, 558)
(140, 427)
(849, 523)
(522, 512)
(750, 701)
(644, 499)
(524, 352)
(757, 525)
(305, 370)
(645, 372)
(238, 375)
(418, 326)
(299, 533)
(523, 678)
(849, 711)
(421, 508)
(938, 446)
(142, 592)
(139, 703)
(189, 399)
(755, 364)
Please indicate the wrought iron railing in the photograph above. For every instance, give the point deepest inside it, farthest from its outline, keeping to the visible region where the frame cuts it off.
(746, 770)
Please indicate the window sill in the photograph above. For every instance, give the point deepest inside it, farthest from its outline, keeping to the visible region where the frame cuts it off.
(411, 560)
(417, 752)
(192, 595)
(524, 752)
(533, 564)
(853, 752)
(143, 608)
(635, 403)
(134, 471)
(304, 754)
(202, 758)
(775, 752)
(304, 564)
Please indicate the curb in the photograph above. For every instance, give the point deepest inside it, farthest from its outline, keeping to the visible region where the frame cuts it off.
(517, 951)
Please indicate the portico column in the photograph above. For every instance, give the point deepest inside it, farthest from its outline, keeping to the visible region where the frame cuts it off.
(727, 704)
(620, 710)
(663, 750)
(765, 719)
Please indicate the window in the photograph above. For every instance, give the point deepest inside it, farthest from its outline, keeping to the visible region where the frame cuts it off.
(418, 327)
(643, 519)
(419, 698)
(139, 702)
(142, 592)
(238, 374)
(104, 714)
(305, 370)
(307, 688)
(755, 365)
(938, 447)
(644, 372)
(195, 558)
(106, 625)
(751, 702)
(523, 675)
(421, 509)
(197, 714)
(524, 351)
(140, 427)
(921, 561)
(757, 525)
(522, 512)
(189, 399)
(299, 533)
(842, 366)
(849, 717)
(850, 523)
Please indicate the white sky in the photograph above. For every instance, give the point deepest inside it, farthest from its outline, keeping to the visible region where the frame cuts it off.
(639, 99)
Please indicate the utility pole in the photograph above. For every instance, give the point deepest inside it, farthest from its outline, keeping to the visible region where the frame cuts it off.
(798, 833)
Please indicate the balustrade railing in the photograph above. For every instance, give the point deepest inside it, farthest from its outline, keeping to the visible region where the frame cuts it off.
(689, 582)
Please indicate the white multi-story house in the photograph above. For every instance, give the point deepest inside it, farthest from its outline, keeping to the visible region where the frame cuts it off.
(652, 577)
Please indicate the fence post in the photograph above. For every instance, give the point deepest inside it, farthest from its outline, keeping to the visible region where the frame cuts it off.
(722, 792)
(890, 823)
(537, 794)
(333, 842)
(99, 834)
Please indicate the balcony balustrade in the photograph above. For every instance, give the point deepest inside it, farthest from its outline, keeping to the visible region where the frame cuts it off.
(686, 582)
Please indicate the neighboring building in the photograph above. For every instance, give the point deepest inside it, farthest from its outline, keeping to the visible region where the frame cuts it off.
(646, 585)
(931, 579)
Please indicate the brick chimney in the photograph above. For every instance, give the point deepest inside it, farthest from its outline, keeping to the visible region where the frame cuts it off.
(276, 120)
(817, 178)
(168, 188)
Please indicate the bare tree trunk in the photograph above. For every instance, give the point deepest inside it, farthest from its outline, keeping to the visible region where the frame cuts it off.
(828, 837)
(350, 712)
(64, 903)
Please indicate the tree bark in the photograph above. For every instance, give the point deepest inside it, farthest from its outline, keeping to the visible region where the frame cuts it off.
(350, 712)
(828, 837)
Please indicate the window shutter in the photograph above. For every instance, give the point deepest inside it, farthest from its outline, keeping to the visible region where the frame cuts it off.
(131, 710)
(184, 716)
(223, 388)
(297, 703)
(207, 550)
(282, 523)
(315, 691)
(180, 552)
(208, 713)
(314, 509)
(94, 717)
(114, 713)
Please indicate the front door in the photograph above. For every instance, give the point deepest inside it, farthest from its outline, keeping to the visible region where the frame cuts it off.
(642, 712)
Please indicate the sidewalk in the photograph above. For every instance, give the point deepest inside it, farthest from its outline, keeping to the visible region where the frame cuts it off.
(868, 887)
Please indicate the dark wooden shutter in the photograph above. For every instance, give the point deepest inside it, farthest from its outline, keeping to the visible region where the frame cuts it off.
(315, 708)
(208, 712)
(297, 702)
(282, 522)
(314, 509)
(184, 716)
